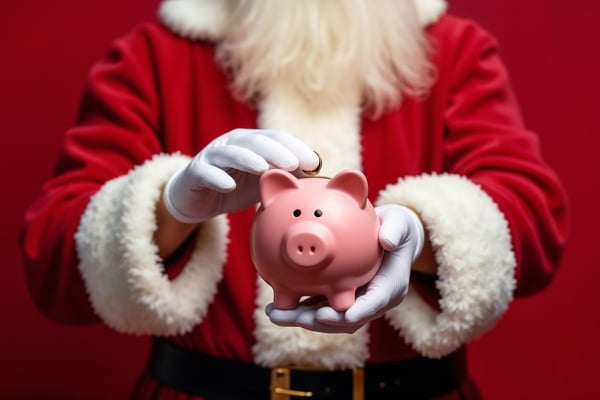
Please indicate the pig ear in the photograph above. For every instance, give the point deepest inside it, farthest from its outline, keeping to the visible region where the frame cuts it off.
(275, 181)
(353, 183)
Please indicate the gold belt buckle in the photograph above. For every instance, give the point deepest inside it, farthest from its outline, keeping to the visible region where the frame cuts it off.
(281, 377)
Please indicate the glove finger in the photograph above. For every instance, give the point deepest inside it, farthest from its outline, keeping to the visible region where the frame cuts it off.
(214, 178)
(311, 303)
(289, 315)
(386, 290)
(236, 157)
(282, 317)
(299, 316)
(273, 152)
(304, 316)
(369, 306)
(393, 228)
(308, 320)
(399, 226)
(307, 158)
(328, 315)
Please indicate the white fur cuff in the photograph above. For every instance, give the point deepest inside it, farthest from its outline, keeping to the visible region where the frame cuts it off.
(119, 261)
(472, 246)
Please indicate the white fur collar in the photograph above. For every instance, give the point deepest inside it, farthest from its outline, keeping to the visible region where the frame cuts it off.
(208, 19)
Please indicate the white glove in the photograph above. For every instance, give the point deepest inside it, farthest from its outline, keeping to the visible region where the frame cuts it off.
(401, 235)
(223, 177)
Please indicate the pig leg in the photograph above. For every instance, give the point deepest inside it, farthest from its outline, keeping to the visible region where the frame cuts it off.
(341, 301)
(285, 300)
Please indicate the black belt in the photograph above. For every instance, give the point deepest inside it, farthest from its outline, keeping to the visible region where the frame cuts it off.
(216, 378)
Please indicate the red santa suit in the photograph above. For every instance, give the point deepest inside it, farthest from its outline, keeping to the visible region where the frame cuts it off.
(461, 157)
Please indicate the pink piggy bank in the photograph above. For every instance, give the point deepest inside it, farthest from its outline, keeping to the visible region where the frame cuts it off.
(315, 236)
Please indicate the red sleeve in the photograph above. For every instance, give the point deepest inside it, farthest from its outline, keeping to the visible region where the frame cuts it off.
(487, 142)
(116, 129)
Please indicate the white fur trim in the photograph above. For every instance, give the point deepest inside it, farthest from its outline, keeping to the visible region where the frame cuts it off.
(430, 11)
(476, 264)
(209, 19)
(119, 261)
(277, 346)
(196, 19)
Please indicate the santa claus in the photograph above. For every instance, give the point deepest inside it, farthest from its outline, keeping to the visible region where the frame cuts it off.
(155, 188)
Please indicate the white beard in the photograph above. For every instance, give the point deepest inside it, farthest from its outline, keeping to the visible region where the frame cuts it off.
(329, 52)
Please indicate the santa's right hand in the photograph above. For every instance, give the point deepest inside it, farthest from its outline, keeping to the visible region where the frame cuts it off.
(223, 177)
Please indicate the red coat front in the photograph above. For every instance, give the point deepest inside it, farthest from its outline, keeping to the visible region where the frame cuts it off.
(494, 211)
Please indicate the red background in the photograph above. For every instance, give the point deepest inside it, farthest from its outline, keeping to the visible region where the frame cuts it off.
(546, 346)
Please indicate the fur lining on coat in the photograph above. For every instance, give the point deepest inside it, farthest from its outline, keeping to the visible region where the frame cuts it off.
(119, 261)
(472, 246)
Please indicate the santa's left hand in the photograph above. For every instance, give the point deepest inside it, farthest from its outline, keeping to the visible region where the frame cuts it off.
(401, 236)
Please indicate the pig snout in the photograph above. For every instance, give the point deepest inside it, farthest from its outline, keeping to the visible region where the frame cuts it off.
(308, 245)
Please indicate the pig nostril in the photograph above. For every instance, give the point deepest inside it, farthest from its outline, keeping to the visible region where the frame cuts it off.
(312, 249)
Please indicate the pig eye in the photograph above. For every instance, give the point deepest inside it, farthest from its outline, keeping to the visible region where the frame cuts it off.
(318, 213)
(297, 212)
